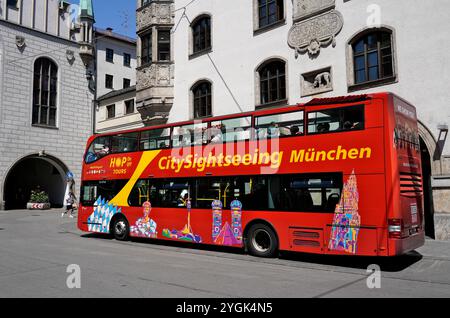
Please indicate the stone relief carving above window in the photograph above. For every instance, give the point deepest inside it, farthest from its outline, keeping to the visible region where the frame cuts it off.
(305, 8)
(155, 14)
(317, 82)
(309, 36)
(155, 75)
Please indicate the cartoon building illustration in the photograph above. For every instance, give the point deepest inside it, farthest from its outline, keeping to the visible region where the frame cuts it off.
(226, 234)
(236, 217)
(217, 218)
(186, 234)
(347, 221)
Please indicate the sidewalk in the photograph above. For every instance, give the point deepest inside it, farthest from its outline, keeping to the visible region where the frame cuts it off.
(442, 226)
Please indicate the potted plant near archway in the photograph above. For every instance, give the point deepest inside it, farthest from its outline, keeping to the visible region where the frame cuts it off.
(39, 200)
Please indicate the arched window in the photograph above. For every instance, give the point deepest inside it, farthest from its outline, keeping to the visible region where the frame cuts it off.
(45, 92)
(272, 82)
(373, 57)
(202, 94)
(201, 34)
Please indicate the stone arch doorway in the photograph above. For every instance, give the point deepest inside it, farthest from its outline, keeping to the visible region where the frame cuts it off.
(427, 189)
(43, 171)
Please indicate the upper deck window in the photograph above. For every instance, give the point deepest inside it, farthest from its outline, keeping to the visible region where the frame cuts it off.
(99, 148)
(124, 143)
(336, 120)
(155, 139)
(236, 129)
(280, 125)
(189, 135)
(106, 145)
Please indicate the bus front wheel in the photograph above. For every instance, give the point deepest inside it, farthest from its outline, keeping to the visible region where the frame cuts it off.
(121, 229)
(262, 241)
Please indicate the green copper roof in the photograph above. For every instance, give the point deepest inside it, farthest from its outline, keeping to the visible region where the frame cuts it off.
(86, 9)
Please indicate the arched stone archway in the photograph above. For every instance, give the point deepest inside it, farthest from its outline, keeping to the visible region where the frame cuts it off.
(45, 172)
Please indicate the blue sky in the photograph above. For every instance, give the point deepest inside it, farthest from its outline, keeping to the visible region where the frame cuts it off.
(117, 14)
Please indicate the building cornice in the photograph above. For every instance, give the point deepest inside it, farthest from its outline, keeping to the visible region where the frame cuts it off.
(25, 28)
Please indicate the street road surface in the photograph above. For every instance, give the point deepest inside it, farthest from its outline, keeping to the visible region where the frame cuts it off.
(37, 247)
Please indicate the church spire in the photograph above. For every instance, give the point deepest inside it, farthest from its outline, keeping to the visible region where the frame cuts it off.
(86, 9)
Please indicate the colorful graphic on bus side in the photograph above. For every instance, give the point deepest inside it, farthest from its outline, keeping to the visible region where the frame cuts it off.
(99, 221)
(226, 234)
(145, 227)
(186, 234)
(347, 221)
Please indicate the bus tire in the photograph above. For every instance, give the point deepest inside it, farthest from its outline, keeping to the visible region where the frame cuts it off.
(262, 241)
(121, 229)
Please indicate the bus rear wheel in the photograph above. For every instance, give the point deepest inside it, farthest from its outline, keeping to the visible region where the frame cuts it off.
(121, 229)
(262, 241)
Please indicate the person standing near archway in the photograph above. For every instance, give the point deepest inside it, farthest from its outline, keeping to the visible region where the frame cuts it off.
(69, 196)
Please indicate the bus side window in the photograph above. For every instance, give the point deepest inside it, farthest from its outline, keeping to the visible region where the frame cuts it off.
(336, 119)
(155, 139)
(305, 193)
(230, 130)
(105, 189)
(280, 125)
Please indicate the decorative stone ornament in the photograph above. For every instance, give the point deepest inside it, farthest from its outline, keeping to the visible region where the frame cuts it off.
(20, 42)
(317, 82)
(314, 33)
(306, 8)
(70, 55)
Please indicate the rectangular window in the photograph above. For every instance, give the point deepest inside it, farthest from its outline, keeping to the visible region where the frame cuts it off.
(110, 111)
(99, 148)
(163, 45)
(91, 191)
(155, 139)
(189, 135)
(336, 119)
(236, 129)
(305, 193)
(161, 193)
(12, 4)
(129, 107)
(110, 55)
(126, 59)
(109, 81)
(280, 125)
(146, 51)
(270, 12)
(124, 143)
(126, 83)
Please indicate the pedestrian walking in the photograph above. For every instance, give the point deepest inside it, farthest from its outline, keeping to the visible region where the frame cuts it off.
(70, 203)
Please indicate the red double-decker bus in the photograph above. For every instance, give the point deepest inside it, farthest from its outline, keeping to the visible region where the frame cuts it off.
(333, 176)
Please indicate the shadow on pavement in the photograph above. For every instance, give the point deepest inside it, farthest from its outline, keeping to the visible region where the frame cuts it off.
(387, 264)
(179, 244)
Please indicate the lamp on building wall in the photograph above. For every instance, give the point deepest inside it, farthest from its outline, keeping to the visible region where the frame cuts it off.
(42, 153)
(443, 133)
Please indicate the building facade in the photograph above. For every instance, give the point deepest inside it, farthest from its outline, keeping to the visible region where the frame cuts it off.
(115, 61)
(45, 96)
(233, 56)
(116, 82)
(116, 111)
